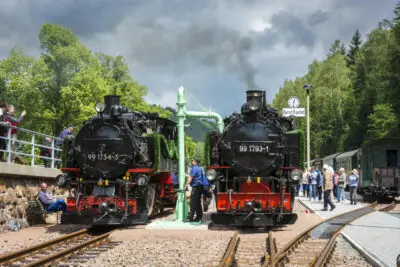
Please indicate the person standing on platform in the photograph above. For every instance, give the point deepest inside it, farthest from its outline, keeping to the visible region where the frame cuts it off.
(312, 180)
(305, 182)
(319, 184)
(341, 185)
(353, 185)
(327, 187)
(196, 182)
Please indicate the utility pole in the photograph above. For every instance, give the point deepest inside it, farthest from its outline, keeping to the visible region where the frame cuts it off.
(308, 87)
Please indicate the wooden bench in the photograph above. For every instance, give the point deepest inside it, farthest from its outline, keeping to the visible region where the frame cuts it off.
(37, 214)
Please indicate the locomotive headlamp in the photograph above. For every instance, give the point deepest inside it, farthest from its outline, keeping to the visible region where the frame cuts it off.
(211, 174)
(100, 107)
(296, 175)
(254, 105)
(141, 180)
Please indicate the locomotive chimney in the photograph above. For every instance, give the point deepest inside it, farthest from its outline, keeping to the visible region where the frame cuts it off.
(110, 100)
(256, 95)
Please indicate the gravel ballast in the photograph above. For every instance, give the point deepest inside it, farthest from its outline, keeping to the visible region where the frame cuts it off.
(193, 249)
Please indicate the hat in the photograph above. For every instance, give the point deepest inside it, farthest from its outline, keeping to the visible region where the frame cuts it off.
(325, 167)
(355, 171)
(71, 126)
(341, 170)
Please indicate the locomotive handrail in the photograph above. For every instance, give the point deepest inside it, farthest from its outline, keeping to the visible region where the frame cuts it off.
(33, 154)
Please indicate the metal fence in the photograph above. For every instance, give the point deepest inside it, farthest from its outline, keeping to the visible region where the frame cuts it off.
(27, 146)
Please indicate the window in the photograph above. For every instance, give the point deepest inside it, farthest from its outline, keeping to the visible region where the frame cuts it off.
(391, 158)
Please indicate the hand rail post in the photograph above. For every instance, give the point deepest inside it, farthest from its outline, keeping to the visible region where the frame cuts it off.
(33, 151)
(52, 153)
(9, 145)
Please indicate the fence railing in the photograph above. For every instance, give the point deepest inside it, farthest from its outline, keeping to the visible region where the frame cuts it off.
(29, 142)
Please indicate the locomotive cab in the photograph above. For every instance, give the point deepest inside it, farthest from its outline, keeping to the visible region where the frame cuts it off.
(255, 165)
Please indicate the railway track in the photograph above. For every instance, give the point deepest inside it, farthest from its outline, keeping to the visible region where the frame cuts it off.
(68, 249)
(316, 245)
(54, 250)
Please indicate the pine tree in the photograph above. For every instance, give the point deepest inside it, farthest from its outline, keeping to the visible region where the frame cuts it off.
(354, 47)
(396, 12)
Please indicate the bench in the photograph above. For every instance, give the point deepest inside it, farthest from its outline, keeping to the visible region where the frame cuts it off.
(37, 214)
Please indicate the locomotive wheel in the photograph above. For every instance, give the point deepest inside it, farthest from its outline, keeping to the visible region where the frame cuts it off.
(150, 198)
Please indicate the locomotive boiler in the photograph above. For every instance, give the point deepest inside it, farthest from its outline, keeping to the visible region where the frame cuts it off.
(255, 164)
(120, 166)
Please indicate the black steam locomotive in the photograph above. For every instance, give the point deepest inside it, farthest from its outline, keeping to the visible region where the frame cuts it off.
(121, 166)
(255, 163)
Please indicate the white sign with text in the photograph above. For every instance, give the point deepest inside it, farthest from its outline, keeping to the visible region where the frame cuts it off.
(294, 112)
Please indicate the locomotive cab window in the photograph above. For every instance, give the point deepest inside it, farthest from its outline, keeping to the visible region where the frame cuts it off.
(391, 158)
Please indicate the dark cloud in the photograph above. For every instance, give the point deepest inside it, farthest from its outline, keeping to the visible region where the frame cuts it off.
(216, 48)
(317, 17)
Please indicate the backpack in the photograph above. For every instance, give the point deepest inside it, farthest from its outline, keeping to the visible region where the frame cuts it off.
(319, 179)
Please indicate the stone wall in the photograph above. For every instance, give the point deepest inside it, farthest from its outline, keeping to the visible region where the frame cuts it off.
(15, 192)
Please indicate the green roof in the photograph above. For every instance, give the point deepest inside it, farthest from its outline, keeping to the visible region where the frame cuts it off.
(348, 154)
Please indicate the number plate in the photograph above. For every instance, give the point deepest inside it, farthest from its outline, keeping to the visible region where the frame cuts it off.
(101, 156)
(252, 148)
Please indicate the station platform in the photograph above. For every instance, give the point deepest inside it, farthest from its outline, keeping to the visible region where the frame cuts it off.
(378, 234)
(317, 206)
(18, 170)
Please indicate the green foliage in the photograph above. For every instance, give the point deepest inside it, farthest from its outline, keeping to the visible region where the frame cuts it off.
(164, 147)
(200, 153)
(382, 123)
(63, 85)
(190, 149)
(329, 100)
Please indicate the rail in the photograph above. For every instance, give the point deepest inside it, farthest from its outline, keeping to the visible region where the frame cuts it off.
(27, 146)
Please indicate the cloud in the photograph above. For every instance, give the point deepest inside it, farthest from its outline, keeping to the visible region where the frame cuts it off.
(215, 48)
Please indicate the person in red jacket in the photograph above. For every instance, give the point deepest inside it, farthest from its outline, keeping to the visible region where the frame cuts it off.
(10, 119)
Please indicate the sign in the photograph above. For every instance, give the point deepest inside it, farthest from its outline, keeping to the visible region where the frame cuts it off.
(252, 148)
(294, 112)
(294, 102)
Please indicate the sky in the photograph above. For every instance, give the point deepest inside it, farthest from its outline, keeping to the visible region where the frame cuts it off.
(216, 49)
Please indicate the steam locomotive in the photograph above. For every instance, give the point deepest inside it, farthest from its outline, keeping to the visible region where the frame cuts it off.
(255, 164)
(121, 166)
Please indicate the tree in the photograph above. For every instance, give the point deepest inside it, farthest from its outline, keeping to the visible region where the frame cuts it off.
(336, 48)
(190, 149)
(396, 12)
(382, 123)
(354, 47)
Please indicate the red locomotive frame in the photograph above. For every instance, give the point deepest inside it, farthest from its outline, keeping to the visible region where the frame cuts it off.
(85, 208)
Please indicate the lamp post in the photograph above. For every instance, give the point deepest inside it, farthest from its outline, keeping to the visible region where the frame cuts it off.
(308, 87)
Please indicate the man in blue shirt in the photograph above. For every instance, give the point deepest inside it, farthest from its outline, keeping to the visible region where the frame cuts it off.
(195, 181)
(63, 134)
(48, 201)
